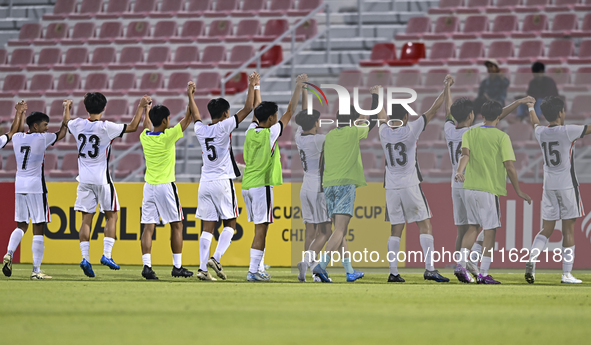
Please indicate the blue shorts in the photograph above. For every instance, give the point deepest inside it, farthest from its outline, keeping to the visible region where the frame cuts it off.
(340, 199)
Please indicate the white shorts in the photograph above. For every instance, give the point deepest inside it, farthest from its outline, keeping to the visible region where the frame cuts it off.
(161, 202)
(406, 205)
(217, 200)
(259, 204)
(89, 195)
(459, 205)
(31, 206)
(313, 207)
(562, 204)
(483, 209)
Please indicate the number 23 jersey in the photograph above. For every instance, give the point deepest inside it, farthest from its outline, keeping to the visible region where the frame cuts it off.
(94, 139)
(216, 149)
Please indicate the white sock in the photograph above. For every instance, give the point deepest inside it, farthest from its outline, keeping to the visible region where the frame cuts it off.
(394, 247)
(256, 257)
(108, 244)
(428, 248)
(15, 240)
(147, 260)
(539, 244)
(477, 248)
(485, 265)
(568, 259)
(204, 246)
(262, 263)
(84, 247)
(464, 256)
(38, 249)
(309, 258)
(223, 243)
(177, 260)
(480, 237)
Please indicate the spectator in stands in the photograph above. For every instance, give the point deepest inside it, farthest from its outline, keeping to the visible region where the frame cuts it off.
(540, 87)
(493, 88)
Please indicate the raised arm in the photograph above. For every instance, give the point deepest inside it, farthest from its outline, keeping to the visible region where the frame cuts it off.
(448, 99)
(293, 103)
(147, 121)
(21, 122)
(512, 173)
(429, 114)
(532, 114)
(253, 79)
(135, 122)
(21, 110)
(186, 121)
(257, 95)
(192, 106)
(67, 104)
(304, 98)
(464, 159)
(509, 109)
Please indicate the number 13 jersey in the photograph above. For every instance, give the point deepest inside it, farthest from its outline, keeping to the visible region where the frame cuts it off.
(94, 139)
(216, 149)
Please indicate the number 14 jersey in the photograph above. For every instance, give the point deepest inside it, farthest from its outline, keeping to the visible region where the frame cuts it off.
(216, 149)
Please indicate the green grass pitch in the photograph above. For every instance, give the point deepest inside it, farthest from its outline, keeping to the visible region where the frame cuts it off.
(119, 307)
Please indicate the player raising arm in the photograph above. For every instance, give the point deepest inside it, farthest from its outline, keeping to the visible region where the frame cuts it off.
(21, 109)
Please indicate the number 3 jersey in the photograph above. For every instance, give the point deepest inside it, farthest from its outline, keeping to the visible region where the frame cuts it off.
(558, 145)
(216, 149)
(94, 139)
(400, 150)
(29, 151)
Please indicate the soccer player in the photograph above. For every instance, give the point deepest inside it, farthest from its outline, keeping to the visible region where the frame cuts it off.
(405, 201)
(561, 199)
(21, 109)
(217, 196)
(95, 185)
(487, 158)
(161, 203)
(263, 171)
(30, 199)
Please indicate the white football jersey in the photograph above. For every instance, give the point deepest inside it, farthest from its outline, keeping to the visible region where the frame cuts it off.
(558, 147)
(400, 149)
(216, 149)
(29, 151)
(94, 139)
(453, 138)
(3, 140)
(310, 148)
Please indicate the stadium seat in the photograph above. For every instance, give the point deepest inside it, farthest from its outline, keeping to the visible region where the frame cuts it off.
(445, 167)
(163, 31)
(350, 79)
(304, 7)
(585, 30)
(273, 29)
(177, 84)
(500, 50)
(379, 77)
(3, 56)
(277, 8)
(212, 55)
(445, 27)
(114, 9)
(523, 75)
(238, 83)
(469, 52)
(183, 56)
(582, 80)
(529, 51)
(581, 107)
(88, 9)
(121, 84)
(66, 84)
(75, 57)
(250, 8)
(531, 6)
(410, 54)
(102, 57)
(584, 56)
(168, 9)
(207, 81)
(503, 26)
(467, 80)
(190, 31)
(50, 161)
(446, 6)
(559, 51)
(201, 103)
(218, 30)
(82, 33)
(245, 31)
(272, 57)
(369, 161)
(150, 82)
(305, 31)
(117, 108)
(521, 133)
(415, 28)
(157, 56)
(19, 59)
(61, 10)
(427, 162)
(239, 55)
(37, 105)
(562, 25)
(128, 164)
(440, 53)
(408, 78)
(473, 6)
(561, 6)
(9, 169)
(223, 8)
(39, 85)
(136, 31)
(474, 26)
(380, 53)
(128, 140)
(175, 105)
(195, 8)
(502, 6)
(560, 74)
(13, 83)
(433, 81)
(56, 109)
(94, 82)
(533, 25)
(69, 166)
(54, 33)
(129, 57)
(7, 110)
(108, 32)
(141, 9)
(428, 101)
(431, 135)
(584, 6)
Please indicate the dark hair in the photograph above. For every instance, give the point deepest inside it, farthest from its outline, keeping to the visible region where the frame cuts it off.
(307, 122)
(551, 107)
(344, 119)
(158, 113)
(265, 110)
(36, 117)
(538, 67)
(461, 109)
(398, 112)
(95, 102)
(217, 107)
(491, 110)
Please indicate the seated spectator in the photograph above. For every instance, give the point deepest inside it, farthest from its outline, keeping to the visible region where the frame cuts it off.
(540, 87)
(493, 88)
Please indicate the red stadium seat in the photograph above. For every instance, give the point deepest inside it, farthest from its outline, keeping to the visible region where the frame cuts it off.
(408, 78)
(82, 33)
(250, 8)
(10, 168)
(115, 9)
(223, 8)
(128, 164)
(304, 7)
(533, 25)
(157, 56)
(474, 26)
(503, 26)
(272, 57)
(66, 84)
(503, 6)
(56, 109)
(168, 9)
(175, 105)
(380, 53)
(40, 84)
(584, 56)
(136, 31)
(585, 28)
(584, 6)
(50, 161)
(520, 133)
(150, 82)
(239, 55)
(54, 33)
(117, 108)
(3, 56)
(246, 30)
(88, 9)
(109, 31)
(122, 83)
(69, 166)
(183, 56)
(37, 105)
(562, 25)
(469, 53)
(218, 30)
(195, 8)
(446, 6)
(467, 80)
(190, 31)
(94, 82)
(350, 79)
(19, 59)
(430, 135)
(177, 84)
(445, 27)
(273, 29)
(277, 8)
(427, 162)
(102, 57)
(582, 80)
(559, 52)
(561, 6)
(529, 51)
(141, 9)
(379, 77)
(500, 50)
(532, 6)
(75, 57)
(433, 80)
(212, 55)
(521, 79)
(474, 6)
(238, 83)
(61, 10)
(415, 28)
(201, 103)
(561, 75)
(207, 81)
(13, 83)
(440, 53)
(129, 57)
(581, 106)
(305, 31)
(163, 31)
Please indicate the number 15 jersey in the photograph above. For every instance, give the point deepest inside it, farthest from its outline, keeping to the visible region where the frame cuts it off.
(94, 139)
(216, 149)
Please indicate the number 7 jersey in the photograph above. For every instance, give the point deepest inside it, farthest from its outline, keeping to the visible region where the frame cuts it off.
(94, 138)
(216, 149)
